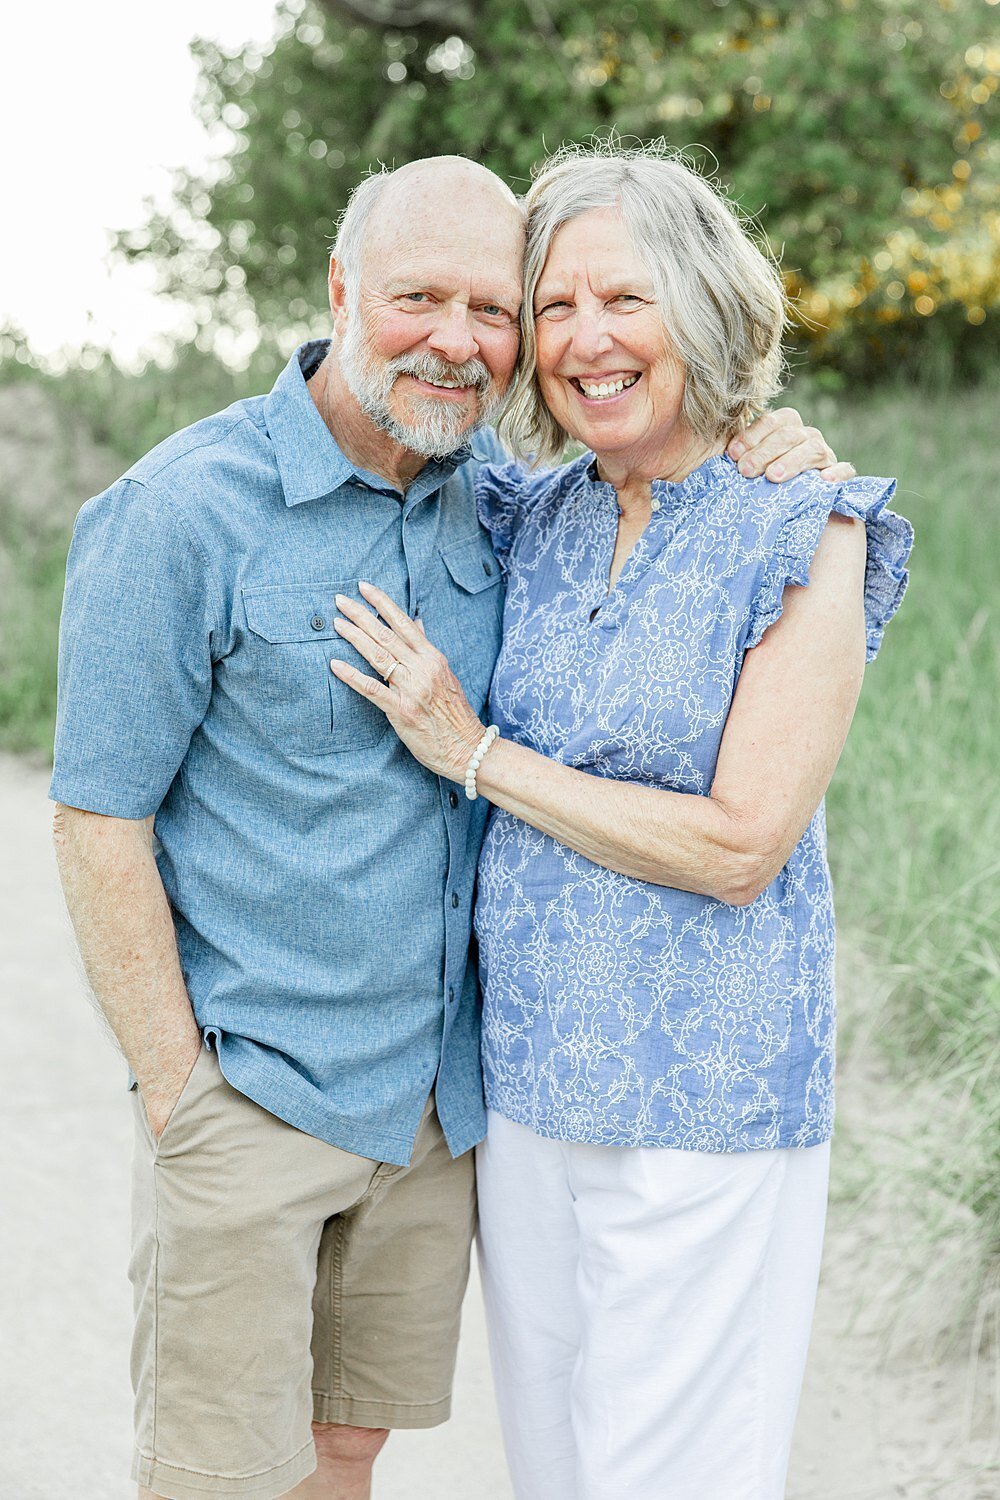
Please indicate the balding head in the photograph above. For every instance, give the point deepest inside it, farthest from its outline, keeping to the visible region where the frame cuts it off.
(449, 194)
(447, 174)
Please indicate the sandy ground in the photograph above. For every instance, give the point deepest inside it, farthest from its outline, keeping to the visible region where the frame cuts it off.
(882, 1417)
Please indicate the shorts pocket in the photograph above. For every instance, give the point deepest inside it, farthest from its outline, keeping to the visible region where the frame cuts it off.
(303, 706)
(205, 1058)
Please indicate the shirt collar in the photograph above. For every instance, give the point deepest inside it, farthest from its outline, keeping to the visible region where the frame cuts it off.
(309, 459)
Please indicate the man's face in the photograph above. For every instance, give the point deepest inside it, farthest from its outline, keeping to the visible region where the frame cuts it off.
(430, 340)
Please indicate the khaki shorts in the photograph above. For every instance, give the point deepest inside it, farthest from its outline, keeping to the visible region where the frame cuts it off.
(278, 1281)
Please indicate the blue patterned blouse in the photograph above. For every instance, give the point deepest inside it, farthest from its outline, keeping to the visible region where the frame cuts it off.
(616, 1011)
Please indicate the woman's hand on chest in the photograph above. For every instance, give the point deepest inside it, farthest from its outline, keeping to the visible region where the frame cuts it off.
(420, 695)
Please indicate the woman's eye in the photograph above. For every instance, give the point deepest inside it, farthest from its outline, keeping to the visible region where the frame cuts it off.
(626, 299)
(553, 310)
(417, 297)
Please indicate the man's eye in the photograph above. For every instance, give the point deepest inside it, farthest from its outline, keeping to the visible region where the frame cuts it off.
(416, 297)
(492, 310)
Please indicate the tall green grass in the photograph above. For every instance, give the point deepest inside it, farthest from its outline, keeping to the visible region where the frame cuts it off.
(914, 808)
(32, 568)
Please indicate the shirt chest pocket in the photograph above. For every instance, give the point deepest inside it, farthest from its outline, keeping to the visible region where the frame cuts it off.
(472, 636)
(301, 705)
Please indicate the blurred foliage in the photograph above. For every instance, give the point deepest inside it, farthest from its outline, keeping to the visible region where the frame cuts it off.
(129, 413)
(855, 129)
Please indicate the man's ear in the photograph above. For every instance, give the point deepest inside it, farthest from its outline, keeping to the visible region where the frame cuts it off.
(338, 296)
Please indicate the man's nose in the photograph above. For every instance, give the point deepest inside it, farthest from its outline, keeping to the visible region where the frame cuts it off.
(453, 337)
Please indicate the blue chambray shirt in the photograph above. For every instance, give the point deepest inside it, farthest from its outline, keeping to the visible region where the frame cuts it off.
(320, 878)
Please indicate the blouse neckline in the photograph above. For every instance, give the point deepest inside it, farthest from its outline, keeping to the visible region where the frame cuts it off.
(717, 466)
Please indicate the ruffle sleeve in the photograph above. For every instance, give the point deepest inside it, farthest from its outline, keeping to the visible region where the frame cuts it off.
(890, 538)
(502, 496)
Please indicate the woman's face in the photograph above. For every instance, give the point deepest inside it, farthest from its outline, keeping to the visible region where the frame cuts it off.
(597, 325)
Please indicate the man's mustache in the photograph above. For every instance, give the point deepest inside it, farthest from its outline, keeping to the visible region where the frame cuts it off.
(426, 367)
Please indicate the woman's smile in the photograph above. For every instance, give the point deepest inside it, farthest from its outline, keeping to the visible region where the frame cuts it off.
(602, 389)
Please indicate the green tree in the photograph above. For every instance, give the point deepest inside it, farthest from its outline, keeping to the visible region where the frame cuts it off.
(855, 129)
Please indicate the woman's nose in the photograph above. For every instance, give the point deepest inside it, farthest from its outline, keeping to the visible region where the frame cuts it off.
(591, 335)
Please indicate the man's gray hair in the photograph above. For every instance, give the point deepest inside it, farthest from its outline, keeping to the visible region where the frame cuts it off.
(348, 245)
(720, 294)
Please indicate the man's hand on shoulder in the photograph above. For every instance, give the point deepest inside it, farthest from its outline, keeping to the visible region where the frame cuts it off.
(779, 446)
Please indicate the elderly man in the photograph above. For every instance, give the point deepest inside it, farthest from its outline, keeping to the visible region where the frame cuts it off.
(283, 956)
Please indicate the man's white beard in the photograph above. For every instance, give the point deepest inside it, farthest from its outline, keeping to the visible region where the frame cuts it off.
(439, 426)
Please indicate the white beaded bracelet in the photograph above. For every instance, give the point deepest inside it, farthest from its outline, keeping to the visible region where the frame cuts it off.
(470, 775)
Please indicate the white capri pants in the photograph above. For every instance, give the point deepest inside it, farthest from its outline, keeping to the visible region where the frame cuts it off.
(649, 1313)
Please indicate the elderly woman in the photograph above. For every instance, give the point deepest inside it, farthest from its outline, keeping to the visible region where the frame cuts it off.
(654, 909)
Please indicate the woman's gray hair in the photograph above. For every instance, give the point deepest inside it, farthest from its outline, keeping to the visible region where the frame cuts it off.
(720, 295)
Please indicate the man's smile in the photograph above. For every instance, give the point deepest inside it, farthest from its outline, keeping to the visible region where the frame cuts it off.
(447, 390)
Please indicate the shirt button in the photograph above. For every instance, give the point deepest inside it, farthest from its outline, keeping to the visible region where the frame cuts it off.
(654, 504)
(454, 898)
(451, 997)
(453, 798)
(317, 622)
(488, 569)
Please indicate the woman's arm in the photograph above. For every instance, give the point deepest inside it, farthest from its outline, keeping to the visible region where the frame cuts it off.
(787, 725)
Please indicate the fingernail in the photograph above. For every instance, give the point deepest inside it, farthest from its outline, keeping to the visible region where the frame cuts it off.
(333, 664)
(748, 467)
(363, 585)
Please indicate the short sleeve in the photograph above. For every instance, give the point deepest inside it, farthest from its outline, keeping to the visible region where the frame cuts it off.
(890, 538)
(135, 662)
(502, 492)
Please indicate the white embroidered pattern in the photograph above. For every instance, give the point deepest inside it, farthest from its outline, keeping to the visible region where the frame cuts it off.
(616, 1011)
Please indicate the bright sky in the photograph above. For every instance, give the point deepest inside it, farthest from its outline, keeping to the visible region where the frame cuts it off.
(95, 112)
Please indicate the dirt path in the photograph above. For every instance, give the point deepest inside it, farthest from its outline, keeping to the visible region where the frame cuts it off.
(875, 1424)
(894, 1404)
